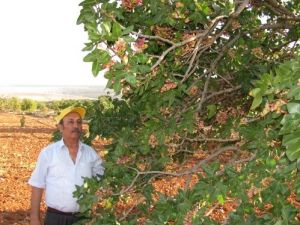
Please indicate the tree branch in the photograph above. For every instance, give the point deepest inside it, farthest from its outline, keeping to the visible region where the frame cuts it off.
(210, 157)
(179, 44)
(233, 15)
(185, 172)
(223, 92)
(276, 7)
(268, 26)
(154, 37)
(199, 108)
(240, 8)
(213, 140)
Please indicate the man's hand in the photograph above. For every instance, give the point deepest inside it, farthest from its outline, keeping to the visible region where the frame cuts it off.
(35, 221)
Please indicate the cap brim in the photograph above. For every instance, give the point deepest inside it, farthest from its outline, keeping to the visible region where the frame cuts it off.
(81, 111)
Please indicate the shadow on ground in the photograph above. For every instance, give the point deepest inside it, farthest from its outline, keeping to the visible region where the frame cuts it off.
(14, 218)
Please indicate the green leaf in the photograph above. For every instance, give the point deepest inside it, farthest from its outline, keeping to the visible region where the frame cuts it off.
(117, 86)
(293, 107)
(289, 168)
(94, 37)
(184, 206)
(290, 122)
(131, 79)
(220, 199)
(211, 110)
(291, 138)
(279, 222)
(256, 102)
(127, 30)
(106, 27)
(293, 151)
(295, 91)
(88, 47)
(116, 31)
(96, 68)
(144, 149)
(256, 93)
(144, 68)
(271, 163)
(91, 57)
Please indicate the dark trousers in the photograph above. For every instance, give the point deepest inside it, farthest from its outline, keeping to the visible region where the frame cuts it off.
(56, 218)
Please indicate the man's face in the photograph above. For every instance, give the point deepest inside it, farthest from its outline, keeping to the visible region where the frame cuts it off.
(71, 126)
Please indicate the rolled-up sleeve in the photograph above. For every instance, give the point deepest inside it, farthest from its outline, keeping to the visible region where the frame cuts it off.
(38, 176)
(98, 168)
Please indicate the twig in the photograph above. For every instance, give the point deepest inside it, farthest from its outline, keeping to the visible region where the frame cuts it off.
(131, 185)
(225, 222)
(213, 140)
(245, 160)
(154, 37)
(210, 157)
(211, 209)
(199, 108)
(223, 92)
(131, 208)
(252, 157)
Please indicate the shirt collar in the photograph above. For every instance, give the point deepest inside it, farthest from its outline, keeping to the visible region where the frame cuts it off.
(61, 144)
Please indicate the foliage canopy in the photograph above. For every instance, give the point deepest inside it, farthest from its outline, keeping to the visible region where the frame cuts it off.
(184, 69)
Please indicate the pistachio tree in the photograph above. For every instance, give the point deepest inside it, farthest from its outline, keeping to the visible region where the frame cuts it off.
(208, 90)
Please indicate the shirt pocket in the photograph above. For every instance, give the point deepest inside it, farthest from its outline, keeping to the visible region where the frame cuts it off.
(85, 169)
(57, 171)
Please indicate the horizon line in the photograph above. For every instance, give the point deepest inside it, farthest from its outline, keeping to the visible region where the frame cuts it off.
(48, 85)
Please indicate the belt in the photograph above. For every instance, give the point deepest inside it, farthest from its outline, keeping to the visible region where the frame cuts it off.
(52, 210)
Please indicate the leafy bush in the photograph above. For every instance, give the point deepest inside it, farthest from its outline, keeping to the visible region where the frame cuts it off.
(28, 105)
(10, 104)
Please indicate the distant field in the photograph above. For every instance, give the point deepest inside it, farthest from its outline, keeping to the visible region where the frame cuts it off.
(49, 93)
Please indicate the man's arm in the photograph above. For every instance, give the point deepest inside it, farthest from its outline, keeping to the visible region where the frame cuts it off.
(36, 197)
(98, 168)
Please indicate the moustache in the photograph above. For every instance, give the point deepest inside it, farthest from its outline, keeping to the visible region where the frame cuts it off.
(76, 131)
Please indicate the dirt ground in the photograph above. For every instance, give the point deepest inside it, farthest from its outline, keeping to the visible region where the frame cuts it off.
(19, 149)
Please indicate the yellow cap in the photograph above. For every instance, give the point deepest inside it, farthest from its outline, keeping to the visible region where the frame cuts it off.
(66, 111)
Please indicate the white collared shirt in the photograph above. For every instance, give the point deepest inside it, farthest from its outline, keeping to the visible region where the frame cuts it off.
(58, 174)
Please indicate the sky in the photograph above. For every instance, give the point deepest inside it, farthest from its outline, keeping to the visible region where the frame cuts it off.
(40, 44)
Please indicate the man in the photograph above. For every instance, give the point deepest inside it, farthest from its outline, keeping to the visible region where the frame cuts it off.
(61, 166)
